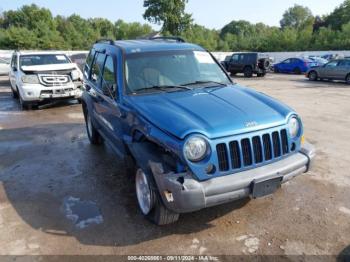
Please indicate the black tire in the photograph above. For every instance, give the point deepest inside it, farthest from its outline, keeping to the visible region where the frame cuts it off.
(248, 71)
(313, 76)
(14, 93)
(261, 74)
(24, 105)
(347, 79)
(266, 64)
(297, 71)
(158, 214)
(93, 135)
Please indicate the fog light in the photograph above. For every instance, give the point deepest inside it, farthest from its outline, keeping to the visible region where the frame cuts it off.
(210, 169)
(29, 93)
(293, 147)
(169, 196)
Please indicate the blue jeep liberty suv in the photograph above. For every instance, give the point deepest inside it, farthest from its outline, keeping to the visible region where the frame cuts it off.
(196, 138)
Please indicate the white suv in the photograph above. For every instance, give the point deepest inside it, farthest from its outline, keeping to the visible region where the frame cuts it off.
(41, 76)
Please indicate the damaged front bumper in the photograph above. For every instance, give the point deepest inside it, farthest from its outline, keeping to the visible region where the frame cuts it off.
(182, 193)
(39, 92)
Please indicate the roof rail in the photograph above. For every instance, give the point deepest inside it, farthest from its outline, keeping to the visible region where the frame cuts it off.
(170, 38)
(104, 40)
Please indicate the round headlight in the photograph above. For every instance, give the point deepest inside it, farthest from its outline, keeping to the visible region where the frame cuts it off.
(195, 148)
(75, 75)
(294, 127)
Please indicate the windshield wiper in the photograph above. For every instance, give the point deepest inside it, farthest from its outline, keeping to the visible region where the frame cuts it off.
(163, 88)
(204, 82)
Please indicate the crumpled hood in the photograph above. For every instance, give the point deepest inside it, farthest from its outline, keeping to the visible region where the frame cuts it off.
(50, 67)
(214, 113)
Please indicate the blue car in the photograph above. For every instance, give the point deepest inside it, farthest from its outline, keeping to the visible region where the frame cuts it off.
(294, 65)
(190, 136)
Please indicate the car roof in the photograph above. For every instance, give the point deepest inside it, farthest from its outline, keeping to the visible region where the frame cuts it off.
(139, 46)
(40, 53)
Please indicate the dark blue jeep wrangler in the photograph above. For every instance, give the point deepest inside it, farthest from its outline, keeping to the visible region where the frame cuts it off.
(196, 138)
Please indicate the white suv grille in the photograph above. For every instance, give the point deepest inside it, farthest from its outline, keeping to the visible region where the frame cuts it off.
(54, 80)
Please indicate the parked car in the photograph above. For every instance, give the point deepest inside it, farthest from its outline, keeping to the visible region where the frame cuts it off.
(294, 65)
(328, 56)
(248, 64)
(334, 70)
(4, 66)
(318, 60)
(43, 76)
(198, 140)
(79, 59)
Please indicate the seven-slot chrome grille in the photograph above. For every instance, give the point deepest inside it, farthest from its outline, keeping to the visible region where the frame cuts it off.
(246, 152)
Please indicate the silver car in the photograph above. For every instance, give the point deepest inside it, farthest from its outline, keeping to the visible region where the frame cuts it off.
(334, 70)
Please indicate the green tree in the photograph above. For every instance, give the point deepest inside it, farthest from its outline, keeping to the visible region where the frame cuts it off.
(297, 17)
(123, 30)
(240, 27)
(169, 12)
(18, 38)
(339, 17)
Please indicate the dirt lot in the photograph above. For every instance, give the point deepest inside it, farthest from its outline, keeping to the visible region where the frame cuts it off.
(48, 168)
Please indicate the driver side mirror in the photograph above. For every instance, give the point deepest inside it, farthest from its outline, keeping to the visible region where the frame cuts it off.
(109, 89)
(14, 69)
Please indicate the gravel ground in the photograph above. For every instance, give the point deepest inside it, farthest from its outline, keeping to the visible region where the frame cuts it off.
(49, 173)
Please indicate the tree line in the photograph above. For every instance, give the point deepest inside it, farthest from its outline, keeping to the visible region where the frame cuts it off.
(33, 27)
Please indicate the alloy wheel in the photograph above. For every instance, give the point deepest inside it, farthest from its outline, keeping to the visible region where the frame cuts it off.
(143, 192)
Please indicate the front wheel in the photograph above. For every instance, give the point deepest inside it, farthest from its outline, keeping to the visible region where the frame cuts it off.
(347, 79)
(93, 135)
(14, 93)
(313, 76)
(23, 104)
(150, 202)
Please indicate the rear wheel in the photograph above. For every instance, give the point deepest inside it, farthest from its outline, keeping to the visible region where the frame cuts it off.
(248, 71)
(347, 79)
(93, 135)
(313, 76)
(150, 202)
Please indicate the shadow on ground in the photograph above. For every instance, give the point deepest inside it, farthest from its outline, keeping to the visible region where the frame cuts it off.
(42, 166)
(319, 84)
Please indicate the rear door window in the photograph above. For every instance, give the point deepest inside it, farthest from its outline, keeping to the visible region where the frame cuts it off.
(344, 63)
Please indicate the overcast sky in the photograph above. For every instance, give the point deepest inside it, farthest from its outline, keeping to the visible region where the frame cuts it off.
(212, 14)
